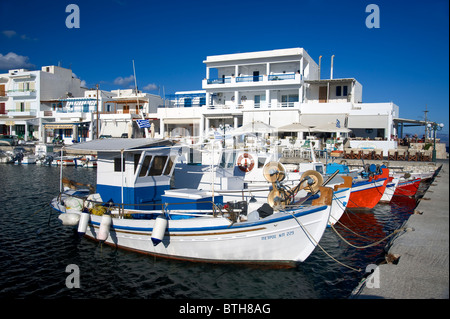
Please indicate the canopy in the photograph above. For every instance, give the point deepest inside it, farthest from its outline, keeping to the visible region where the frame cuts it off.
(295, 127)
(254, 127)
(331, 127)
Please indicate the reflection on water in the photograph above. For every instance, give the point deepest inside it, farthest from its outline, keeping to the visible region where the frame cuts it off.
(35, 251)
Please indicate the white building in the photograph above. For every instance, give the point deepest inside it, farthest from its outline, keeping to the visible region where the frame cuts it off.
(122, 111)
(74, 119)
(277, 87)
(23, 94)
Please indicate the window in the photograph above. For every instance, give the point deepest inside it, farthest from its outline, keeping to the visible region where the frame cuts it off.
(342, 90)
(85, 108)
(137, 157)
(157, 166)
(169, 165)
(118, 165)
(145, 166)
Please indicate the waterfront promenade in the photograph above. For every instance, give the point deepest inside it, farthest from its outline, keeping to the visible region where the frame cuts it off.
(422, 268)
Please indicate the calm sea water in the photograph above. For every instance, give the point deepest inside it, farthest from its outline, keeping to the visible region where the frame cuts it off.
(35, 250)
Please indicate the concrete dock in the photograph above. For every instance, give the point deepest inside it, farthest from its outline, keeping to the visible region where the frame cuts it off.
(419, 257)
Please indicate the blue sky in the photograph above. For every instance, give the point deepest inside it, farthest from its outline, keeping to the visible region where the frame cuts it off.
(405, 61)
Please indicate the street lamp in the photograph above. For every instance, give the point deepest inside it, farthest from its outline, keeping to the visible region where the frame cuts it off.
(435, 127)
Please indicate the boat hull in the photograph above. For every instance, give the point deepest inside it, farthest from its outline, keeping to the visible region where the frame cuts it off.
(408, 187)
(280, 239)
(366, 195)
(341, 199)
(389, 190)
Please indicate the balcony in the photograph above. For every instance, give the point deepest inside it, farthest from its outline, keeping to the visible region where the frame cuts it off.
(252, 80)
(14, 93)
(24, 113)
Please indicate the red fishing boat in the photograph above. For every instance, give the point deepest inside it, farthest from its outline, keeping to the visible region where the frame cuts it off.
(407, 187)
(366, 194)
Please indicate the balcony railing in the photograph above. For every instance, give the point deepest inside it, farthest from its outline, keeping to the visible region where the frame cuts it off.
(21, 92)
(219, 80)
(280, 77)
(254, 78)
(250, 78)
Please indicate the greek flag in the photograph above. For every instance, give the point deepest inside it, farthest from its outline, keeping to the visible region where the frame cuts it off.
(338, 123)
(143, 123)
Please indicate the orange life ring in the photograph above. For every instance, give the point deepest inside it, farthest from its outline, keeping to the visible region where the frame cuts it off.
(245, 162)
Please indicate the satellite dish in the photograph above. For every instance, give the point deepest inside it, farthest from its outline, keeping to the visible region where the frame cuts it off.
(274, 171)
(315, 180)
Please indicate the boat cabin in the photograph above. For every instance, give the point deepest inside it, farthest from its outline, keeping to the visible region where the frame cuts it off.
(135, 172)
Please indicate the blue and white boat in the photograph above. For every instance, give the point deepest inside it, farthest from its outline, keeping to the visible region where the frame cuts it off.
(134, 207)
(239, 175)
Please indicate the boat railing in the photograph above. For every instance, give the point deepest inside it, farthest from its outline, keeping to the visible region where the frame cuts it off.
(123, 209)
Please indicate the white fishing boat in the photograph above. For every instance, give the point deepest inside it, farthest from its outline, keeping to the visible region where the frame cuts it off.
(241, 175)
(29, 159)
(390, 189)
(187, 224)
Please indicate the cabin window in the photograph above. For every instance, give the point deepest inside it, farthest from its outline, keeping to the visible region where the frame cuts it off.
(157, 166)
(145, 166)
(261, 161)
(338, 90)
(169, 165)
(319, 169)
(137, 157)
(117, 166)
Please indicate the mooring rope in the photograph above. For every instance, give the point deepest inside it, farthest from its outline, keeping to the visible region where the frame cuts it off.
(370, 245)
(318, 245)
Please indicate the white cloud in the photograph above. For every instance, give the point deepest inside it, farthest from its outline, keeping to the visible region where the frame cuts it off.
(124, 81)
(150, 87)
(9, 33)
(14, 61)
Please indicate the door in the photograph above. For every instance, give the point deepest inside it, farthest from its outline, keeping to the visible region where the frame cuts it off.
(323, 93)
(255, 76)
(257, 100)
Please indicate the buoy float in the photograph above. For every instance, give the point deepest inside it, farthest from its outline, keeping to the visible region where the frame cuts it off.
(82, 224)
(69, 219)
(105, 225)
(159, 229)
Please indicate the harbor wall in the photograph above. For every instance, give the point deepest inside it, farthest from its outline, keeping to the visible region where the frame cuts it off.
(417, 259)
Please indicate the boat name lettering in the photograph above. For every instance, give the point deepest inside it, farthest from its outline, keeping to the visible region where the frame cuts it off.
(285, 234)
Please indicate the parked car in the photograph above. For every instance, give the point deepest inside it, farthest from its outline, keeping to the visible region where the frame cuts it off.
(9, 140)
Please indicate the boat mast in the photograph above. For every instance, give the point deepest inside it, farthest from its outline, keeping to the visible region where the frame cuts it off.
(137, 101)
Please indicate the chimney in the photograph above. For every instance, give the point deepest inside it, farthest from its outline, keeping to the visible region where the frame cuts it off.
(331, 72)
(320, 61)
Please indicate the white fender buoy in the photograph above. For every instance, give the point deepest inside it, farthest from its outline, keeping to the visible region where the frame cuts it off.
(69, 219)
(82, 224)
(159, 229)
(105, 225)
